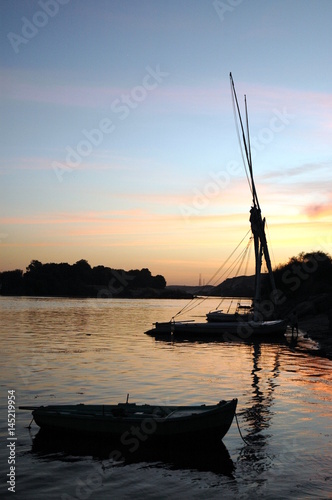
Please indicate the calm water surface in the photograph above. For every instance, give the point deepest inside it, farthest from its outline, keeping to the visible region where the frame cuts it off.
(94, 351)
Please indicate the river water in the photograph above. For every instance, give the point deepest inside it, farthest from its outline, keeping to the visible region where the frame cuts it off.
(57, 351)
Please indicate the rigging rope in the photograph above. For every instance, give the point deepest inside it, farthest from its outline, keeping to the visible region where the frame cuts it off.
(230, 269)
(244, 255)
(195, 301)
(230, 306)
(248, 256)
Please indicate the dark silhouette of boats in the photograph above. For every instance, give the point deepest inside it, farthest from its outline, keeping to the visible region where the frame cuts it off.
(131, 423)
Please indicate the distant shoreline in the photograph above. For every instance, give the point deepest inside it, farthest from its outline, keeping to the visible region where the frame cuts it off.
(132, 295)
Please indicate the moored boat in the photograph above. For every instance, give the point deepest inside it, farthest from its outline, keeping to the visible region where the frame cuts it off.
(242, 313)
(128, 421)
(228, 330)
(260, 320)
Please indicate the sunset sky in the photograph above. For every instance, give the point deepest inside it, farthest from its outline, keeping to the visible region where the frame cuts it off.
(118, 137)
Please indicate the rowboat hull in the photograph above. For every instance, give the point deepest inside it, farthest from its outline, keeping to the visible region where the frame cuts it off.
(222, 330)
(129, 422)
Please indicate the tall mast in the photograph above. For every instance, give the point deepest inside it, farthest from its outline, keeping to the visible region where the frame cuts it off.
(257, 223)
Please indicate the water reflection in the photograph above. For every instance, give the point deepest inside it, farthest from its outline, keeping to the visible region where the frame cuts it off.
(258, 414)
(51, 355)
(190, 456)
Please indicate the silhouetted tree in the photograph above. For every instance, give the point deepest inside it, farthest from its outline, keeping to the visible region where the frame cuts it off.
(35, 266)
(11, 282)
(159, 282)
(304, 275)
(77, 280)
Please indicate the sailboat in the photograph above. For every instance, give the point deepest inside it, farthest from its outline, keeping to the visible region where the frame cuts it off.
(251, 322)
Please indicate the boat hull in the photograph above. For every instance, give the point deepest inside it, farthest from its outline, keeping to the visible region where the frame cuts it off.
(222, 330)
(220, 317)
(128, 422)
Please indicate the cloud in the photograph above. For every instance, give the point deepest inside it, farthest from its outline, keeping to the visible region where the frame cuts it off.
(320, 210)
(101, 160)
(31, 163)
(72, 218)
(34, 86)
(297, 170)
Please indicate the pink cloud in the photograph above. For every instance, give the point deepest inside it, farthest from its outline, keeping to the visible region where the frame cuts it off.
(69, 218)
(31, 163)
(26, 86)
(320, 210)
(65, 95)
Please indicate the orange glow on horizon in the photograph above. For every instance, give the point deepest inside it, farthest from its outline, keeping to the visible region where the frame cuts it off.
(180, 252)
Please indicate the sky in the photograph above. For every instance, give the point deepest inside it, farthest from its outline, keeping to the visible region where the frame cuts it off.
(118, 137)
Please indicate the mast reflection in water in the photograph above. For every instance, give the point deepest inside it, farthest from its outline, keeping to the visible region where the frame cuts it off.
(94, 351)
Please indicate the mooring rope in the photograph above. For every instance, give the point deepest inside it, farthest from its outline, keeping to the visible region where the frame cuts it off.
(246, 442)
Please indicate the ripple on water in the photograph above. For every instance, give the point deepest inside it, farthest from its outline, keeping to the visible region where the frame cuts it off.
(75, 351)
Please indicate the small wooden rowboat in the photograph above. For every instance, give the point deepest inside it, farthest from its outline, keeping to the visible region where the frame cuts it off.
(126, 421)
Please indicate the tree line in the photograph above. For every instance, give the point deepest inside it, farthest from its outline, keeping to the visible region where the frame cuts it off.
(306, 274)
(77, 280)
(302, 277)
(306, 279)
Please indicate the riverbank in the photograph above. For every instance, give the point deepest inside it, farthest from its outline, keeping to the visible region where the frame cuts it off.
(318, 328)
